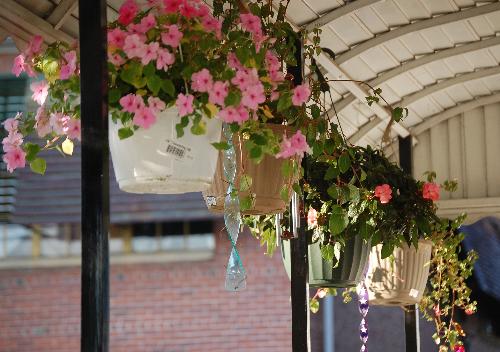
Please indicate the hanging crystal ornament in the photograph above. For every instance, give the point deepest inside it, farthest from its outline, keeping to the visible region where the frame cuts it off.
(363, 306)
(277, 223)
(235, 273)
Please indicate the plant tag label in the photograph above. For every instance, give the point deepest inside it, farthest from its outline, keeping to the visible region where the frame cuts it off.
(211, 201)
(179, 151)
(413, 293)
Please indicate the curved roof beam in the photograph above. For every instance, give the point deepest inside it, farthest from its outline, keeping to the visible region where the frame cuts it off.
(337, 13)
(373, 123)
(436, 119)
(421, 61)
(415, 27)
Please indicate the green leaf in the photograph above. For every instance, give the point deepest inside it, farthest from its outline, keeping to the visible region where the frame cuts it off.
(353, 193)
(285, 193)
(31, 150)
(286, 168)
(365, 230)
(233, 98)
(315, 111)
(387, 249)
(199, 128)
(221, 145)
(399, 113)
(258, 139)
(329, 146)
(149, 69)
(284, 102)
(344, 162)
(338, 220)
(114, 95)
(333, 191)
(246, 203)
(168, 87)
(154, 83)
(255, 152)
(125, 132)
(245, 183)
(376, 238)
(314, 305)
(331, 173)
(328, 252)
(39, 166)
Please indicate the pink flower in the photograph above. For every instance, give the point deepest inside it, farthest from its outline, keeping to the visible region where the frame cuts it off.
(272, 61)
(116, 37)
(233, 62)
(131, 103)
(187, 10)
(258, 39)
(149, 53)
(321, 293)
(301, 94)
(246, 78)
(212, 24)
(184, 104)
(164, 60)
(11, 124)
(144, 118)
(251, 23)
(218, 93)
(13, 140)
(15, 158)
(172, 37)
(253, 96)
(172, 6)
(116, 59)
(59, 122)
(242, 114)
(134, 46)
(156, 104)
(202, 81)
(69, 68)
(203, 11)
(35, 45)
(312, 218)
(42, 124)
(430, 191)
(384, 193)
(276, 76)
(458, 348)
(296, 145)
(127, 12)
(74, 129)
(40, 91)
(148, 22)
(18, 66)
(229, 114)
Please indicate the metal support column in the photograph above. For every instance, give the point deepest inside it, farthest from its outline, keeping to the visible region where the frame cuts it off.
(95, 176)
(412, 329)
(298, 253)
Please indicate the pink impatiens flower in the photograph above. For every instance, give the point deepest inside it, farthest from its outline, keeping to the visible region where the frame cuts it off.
(212, 24)
(296, 145)
(14, 158)
(127, 12)
(202, 81)
(42, 124)
(251, 23)
(233, 62)
(301, 94)
(245, 78)
(383, 193)
(312, 218)
(144, 117)
(242, 114)
(116, 37)
(430, 191)
(131, 103)
(40, 91)
(172, 37)
(184, 104)
(156, 104)
(116, 59)
(164, 59)
(69, 68)
(59, 122)
(35, 45)
(11, 124)
(229, 114)
(218, 93)
(18, 66)
(253, 96)
(133, 46)
(172, 6)
(74, 129)
(150, 52)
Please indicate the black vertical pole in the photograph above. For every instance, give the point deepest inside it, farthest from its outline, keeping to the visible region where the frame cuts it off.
(95, 176)
(411, 312)
(298, 253)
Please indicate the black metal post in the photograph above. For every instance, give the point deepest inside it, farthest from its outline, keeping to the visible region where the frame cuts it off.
(411, 312)
(95, 176)
(298, 254)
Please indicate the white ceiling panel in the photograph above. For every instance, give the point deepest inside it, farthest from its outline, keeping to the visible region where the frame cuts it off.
(371, 20)
(300, 13)
(416, 44)
(436, 38)
(481, 26)
(426, 107)
(413, 10)
(478, 88)
(389, 93)
(422, 76)
(464, 3)
(459, 93)
(322, 6)
(481, 58)
(460, 32)
(390, 13)
(439, 70)
(329, 39)
(493, 83)
(379, 59)
(398, 50)
(458, 64)
(349, 30)
(359, 69)
(404, 85)
(494, 20)
(437, 7)
(495, 51)
(443, 99)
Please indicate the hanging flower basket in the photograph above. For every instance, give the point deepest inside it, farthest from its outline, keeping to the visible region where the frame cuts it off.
(267, 180)
(401, 281)
(347, 273)
(157, 161)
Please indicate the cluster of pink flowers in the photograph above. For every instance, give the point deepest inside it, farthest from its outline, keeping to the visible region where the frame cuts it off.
(430, 191)
(383, 193)
(14, 156)
(296, 145)
(144, 116)
(22, 62)
(312, 218)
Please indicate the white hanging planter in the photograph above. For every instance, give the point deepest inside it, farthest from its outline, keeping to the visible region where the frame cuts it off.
(154, 160)
(401, 281)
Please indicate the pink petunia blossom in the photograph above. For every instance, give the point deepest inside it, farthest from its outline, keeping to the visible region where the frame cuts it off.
(251, 23)
(430, 191)
(144, 117)
(134, 46)
(301, 94)
(150, 52)
(59, 122)
(272, 61)
(187, 9)
(42, 124)
(233, 62)
(74, 129)
(35, 45)
(201, 81)
(40, 91)
(172, 6)
(127, 12)
(184, 104)
(12, 141)
(172, 36)
(156, 104)
(253, 96)
(212, 24)
(203, 11)
(459, 348)
(296, 145)
(229, 114)
(148, 22)
(11, 124)
(218, 93)
(15, 158)
(19, 64)
(312, 218)
(131, 103)
(116, 38)
(164, 59)
(116, 59)
(383, 193)
(246, 78)
(242, 114)
(69, 68)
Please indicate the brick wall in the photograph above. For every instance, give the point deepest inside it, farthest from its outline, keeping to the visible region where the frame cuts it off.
(172, 307)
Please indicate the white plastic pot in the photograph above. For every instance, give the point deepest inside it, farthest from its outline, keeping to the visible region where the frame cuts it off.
(154, 160)
(402, 281)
